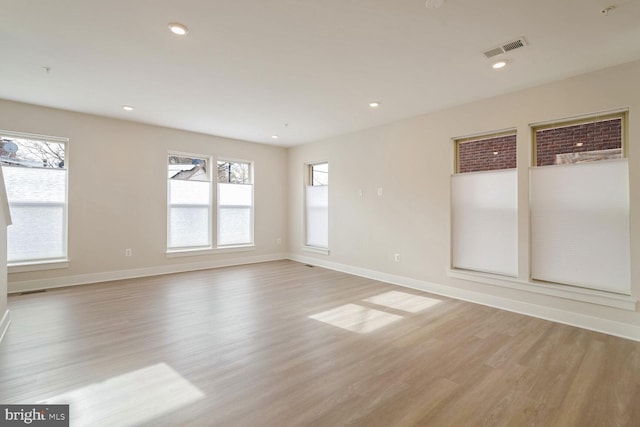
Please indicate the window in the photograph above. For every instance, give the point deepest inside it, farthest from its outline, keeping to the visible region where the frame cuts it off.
(319, 174)
(189, 200)
(485, 153)
(317, 206)
(235, 203)
(484, 221)
(578, 141)
(35, 173)
(580, 204)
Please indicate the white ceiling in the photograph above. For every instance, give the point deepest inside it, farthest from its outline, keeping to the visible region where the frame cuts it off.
(248, 67)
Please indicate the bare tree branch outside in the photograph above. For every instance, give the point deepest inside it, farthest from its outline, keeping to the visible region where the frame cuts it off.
(31, 153)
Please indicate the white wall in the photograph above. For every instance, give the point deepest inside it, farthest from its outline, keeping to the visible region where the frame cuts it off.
(412, 161)
(117, 195)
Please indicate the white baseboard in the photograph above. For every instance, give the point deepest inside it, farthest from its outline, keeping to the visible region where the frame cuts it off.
(611, 327)
(4, 324)
(84, 279)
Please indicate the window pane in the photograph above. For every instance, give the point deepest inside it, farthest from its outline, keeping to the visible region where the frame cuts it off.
(234, 172)
(485, 154)
(37, 232)
(189, 227)
(317, 210)
(578, 143)
(320, 174)
(187, 168)
(32, 153)
(189, 192)
(36, 183)
(235, 225)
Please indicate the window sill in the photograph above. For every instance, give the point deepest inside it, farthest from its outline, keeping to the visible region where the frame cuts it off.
(609, 299)
(210, 251)
(24, 267)
(316, 250)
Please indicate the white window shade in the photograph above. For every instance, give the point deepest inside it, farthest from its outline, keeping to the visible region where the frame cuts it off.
(580, 225)
(485, 222)
(317, 207)
(189, 214)
(235, 206)
(37, 200)
(189, 192)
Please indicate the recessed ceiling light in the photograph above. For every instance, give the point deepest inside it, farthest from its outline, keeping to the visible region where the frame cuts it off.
(495, 153)
(275, 136)
(374, 104)
(127, 107)
(434, 4)
(177, 28)
(499, 64)
(579, 144)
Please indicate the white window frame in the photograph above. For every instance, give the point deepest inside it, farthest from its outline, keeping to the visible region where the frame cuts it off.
(46, 263)
(251, 242)
(544, 271)
(471, 251)
(308, 182)
(189, 249)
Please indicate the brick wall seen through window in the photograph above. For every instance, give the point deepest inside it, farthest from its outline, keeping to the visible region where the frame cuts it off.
(486, 153)
(596, 140)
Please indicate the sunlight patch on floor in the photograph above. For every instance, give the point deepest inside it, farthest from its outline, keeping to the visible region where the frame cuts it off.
(403, 301)
(356, 318)
(131, 399)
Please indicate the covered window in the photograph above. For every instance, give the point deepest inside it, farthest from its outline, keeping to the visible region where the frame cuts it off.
(189, 200)
(235, 203)
(35, 174)
(580, 204)
(317, 206)
(484, 226)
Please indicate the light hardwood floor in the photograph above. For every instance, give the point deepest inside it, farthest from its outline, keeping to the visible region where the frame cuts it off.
(284, 344)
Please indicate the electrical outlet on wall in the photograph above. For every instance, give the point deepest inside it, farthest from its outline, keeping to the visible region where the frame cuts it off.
(396, 257)
(279, 241)
(128, 252)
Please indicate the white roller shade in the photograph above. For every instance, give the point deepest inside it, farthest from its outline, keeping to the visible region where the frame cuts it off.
(485, 222)
(189, 214)
(235, 203)
(37, 202)
(580, 225)
(317, 206)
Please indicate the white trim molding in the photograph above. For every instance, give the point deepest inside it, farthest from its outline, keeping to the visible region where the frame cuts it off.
(4, 324)
(107, 276)
(611, 327)
(609, 299)
(316, 250)
(37, 266)
(176, 253)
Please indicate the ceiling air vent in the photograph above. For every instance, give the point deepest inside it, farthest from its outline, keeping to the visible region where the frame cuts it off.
(506, 47)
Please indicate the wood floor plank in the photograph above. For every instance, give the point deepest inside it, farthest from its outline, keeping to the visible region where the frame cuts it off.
(284, 344)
